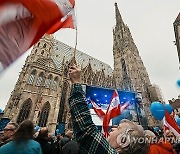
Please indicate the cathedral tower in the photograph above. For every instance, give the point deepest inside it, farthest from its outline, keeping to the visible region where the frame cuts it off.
(129, 70)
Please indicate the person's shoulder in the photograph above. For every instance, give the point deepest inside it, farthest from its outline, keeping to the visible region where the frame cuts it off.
(8, 144)
(6, 147)
(33, 142)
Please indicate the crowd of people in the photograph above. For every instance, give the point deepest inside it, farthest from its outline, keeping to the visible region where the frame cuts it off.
(125, 138)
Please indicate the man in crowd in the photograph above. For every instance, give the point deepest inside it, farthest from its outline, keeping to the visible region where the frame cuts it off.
(127, 138)
(8, 133)
(42, 139)
(66, 138)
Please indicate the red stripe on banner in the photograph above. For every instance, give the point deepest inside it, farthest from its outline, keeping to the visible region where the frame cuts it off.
(23, 23)
(97, 109)
(112, 112)
(171, 123)
(46, 13)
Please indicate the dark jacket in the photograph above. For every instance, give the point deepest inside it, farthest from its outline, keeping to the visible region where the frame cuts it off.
(63, 141)
(71, 147)
(45, 146)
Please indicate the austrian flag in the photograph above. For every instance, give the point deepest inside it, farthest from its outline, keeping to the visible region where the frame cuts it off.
(112, 111)
(24, 22)
(98, 110)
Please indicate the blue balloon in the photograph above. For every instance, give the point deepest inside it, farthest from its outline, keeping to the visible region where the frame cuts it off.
(178, 121)
(37, 128)
(169, 108)
(157, 110)
(178, 83)
(156, 129)
(57, 131)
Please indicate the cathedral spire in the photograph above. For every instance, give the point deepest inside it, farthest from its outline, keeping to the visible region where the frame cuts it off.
(119, 20)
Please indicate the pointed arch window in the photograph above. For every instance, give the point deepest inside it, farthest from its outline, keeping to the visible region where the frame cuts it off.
(48, 81)
(89, 80)
(40, 79)
(24, 111)
(44, 46)
(55, 83)
(124, 68)
(32, 77)
(65, 71)
(44, 115)
(63, 101)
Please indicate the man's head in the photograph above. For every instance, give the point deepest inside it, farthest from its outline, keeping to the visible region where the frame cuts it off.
(43, 133)
(69, 133)
(9, 131)
(128, 138)
(169, 136)
(150, 136)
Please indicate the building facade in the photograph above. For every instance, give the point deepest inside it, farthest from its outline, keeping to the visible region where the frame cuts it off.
(42, 90)
(176, 105)
(129, 70)
(176, 25)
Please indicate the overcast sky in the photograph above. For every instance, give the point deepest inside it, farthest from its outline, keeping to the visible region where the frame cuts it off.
(151, 25)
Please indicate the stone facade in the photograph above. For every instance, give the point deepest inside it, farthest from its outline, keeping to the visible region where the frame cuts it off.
(42, 90)
(129, 70)
(176, 25)
(176, 105)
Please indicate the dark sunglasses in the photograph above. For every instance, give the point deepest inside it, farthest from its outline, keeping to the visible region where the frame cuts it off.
(6, 129)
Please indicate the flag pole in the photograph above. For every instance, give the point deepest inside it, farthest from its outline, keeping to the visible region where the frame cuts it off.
(75, 45)
(74, 56)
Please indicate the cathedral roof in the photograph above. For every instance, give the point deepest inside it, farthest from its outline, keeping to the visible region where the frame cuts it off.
(178, 18)
(62, 52)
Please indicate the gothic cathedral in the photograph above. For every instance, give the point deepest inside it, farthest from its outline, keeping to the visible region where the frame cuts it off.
(42, 90)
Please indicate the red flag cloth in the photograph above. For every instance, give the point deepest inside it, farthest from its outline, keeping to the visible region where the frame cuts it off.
(170, 123)
(112, 111)
(125, 106)
(24, 22)
(97, 109)
(68, 21)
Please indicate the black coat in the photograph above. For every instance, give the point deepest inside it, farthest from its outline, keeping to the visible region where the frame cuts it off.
(71, 147)
(45, 146)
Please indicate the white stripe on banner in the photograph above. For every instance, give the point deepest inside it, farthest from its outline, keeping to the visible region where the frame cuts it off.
(16, 36)
(1, 68)
(65, 6)
(9, 13)
(173, 130)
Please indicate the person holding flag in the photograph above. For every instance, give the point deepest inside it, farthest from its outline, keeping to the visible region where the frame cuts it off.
(123, 139)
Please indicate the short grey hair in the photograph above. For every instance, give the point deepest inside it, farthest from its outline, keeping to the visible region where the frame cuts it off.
(138, 144)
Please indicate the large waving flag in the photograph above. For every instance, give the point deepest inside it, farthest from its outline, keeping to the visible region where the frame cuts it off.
(113, 111)
(98, 110)
(24, 22)
(170, 123)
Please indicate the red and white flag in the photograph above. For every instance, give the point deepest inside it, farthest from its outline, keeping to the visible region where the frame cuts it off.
(98, 110)
(170, 123)
(24, 22)
(125, 106)
(113, 111)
